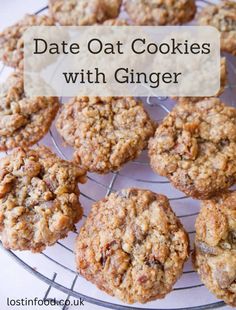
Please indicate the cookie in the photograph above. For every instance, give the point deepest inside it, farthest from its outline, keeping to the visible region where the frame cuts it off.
(23, 121)
(105, 132)
(11, 39)
(116, 22)
(132, 246)
(195, 147)
(160, 12)
(83, 12)
(38, 199)
(215, 246)
(223, 17)
(223, 85)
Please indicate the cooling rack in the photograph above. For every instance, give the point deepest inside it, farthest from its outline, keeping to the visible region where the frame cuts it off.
(56, 266)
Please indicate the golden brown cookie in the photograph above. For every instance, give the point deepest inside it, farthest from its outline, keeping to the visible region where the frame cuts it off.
(116, 22)
(83, 12)
(11, 39)
(105, 132)
(195, 147)
(215, 246)
(132, 246)
(160, 12)
(38, 198)
(223, 17)
(23, 121)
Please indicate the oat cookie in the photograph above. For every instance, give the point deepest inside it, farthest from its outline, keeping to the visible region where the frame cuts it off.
(38, 198)
(105, 132)
(11, 39)
(223, 17)
(132, 246)
(160, 12)
(223, 84)
(83, 12)
(23, 121)
(195, 147)
(215, 246)
(116, 22)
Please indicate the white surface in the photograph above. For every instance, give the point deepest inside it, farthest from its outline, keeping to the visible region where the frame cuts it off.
(18, 283)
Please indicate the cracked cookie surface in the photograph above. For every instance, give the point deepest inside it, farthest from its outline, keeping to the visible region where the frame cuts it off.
(215, 246)
(83, 12)
(105, 132)
(132, 246)
(160, 12)
(23, 121)
(11, 39)
(223, 17)
(38, 198)
(195, 147)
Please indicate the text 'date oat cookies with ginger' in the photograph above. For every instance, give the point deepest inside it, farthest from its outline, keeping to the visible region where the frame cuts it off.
(132, 246)
(11, 39)
(23, 121)
(105, 132)
(195, 147)
(38, 199)
(223, 17)
(160, 12)
(215, 246)
(83, 12)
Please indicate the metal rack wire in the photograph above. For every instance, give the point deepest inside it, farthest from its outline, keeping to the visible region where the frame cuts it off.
(184, 207)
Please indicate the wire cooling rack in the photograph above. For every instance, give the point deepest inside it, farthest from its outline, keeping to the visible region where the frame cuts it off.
(56, 266)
